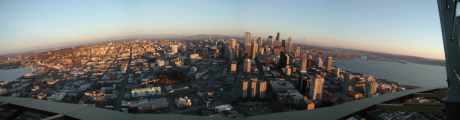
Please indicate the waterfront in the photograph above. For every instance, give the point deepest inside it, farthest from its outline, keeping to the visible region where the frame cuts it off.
(13, 74)
(404, 73)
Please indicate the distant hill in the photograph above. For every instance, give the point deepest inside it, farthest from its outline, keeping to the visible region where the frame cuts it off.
(212, 36)
(382, 56)
(177, 37)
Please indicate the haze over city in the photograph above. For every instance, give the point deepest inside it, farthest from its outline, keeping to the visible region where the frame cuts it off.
(401, 27)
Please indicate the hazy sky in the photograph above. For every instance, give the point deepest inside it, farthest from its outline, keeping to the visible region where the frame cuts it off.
(408, 27)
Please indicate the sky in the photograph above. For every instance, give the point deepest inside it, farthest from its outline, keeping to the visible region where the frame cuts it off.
(408, 27)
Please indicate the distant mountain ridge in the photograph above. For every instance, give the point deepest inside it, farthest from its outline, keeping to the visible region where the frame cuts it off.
(186, 37)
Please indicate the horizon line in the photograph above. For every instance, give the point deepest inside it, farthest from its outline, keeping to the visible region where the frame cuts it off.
(143, 36)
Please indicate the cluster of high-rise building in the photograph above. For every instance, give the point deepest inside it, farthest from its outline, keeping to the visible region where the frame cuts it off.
(262, 63)
(256, 74)
(254, 88)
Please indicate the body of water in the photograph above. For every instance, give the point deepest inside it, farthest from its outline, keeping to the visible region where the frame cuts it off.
(404, 73)
(13, 74)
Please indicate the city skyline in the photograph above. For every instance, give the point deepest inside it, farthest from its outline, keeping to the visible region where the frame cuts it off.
(399, 27)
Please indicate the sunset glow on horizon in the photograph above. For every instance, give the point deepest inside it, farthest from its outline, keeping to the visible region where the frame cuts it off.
(400, 27)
